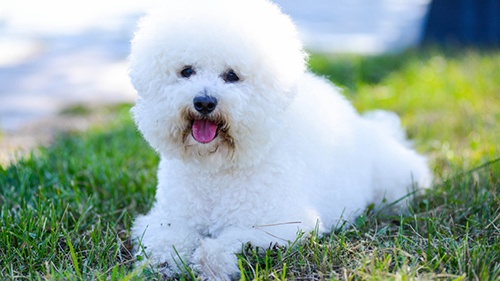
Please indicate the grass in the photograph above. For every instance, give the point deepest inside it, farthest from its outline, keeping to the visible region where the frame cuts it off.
(66, 210)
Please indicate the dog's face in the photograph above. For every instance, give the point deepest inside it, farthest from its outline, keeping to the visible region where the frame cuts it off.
(213, 81)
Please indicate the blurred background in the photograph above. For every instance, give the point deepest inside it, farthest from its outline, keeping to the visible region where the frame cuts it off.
(56, 53)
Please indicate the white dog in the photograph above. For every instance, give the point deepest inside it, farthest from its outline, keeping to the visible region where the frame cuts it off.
(252, 146)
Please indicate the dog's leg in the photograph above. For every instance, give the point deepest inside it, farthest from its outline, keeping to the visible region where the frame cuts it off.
(215, 258)
(166, 245)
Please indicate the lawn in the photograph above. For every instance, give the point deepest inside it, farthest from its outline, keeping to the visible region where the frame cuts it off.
(66, 210)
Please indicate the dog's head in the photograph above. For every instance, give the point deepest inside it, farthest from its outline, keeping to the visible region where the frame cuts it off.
(215, 78)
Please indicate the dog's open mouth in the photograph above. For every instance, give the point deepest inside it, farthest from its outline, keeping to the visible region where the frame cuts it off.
(212, 132)
(204, 130)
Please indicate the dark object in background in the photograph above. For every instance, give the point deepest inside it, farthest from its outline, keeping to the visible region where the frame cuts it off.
(467, 22)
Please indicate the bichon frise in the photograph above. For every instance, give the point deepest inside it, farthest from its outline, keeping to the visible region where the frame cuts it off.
(253, 147)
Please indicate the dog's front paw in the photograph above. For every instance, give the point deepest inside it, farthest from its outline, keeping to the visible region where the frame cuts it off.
(215, 261)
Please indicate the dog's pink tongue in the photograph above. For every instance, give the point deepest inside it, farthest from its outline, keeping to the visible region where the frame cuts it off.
(204, 130)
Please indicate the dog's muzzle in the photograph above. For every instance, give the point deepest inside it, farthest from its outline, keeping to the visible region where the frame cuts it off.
(205, 104)
(204, 129)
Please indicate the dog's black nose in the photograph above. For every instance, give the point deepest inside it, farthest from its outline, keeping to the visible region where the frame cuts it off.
(205, 104)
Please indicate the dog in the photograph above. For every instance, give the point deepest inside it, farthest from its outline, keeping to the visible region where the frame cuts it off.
(253, 146)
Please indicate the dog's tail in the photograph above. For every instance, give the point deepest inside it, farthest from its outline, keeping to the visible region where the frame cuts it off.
(389, 123)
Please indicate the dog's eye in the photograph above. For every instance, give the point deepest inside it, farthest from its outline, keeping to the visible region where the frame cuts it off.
(230, 77)
(187, 72)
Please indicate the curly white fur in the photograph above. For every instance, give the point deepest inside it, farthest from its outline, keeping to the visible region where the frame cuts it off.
(288, 148)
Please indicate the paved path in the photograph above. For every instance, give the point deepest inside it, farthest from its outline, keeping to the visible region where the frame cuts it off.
(57, 52)
(358, 26)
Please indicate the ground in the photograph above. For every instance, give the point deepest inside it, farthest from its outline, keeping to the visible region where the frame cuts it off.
(65, 212)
